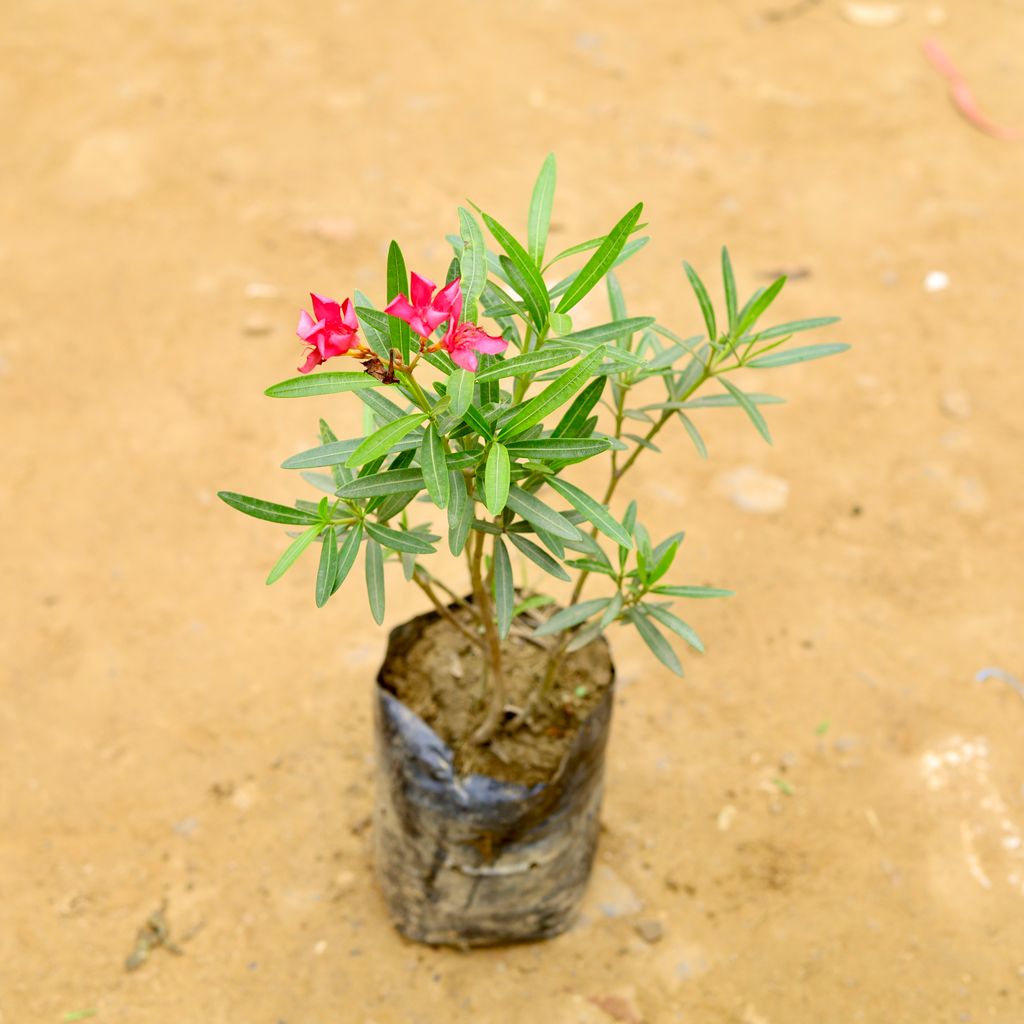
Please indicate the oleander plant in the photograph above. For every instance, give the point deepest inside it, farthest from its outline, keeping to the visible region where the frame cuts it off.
(481, 400)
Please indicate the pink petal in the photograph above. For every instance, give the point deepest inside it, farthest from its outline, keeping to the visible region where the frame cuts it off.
(326, 309)
(349, 319)
(446, 297)
(313, 360)
(307, 325)
(421, 290)
(336, 343)
(432, 318)
(484, 342)
(457, 307)
(466, 358)
(399, 306)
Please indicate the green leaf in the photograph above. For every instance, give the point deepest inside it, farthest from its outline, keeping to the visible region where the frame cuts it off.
(719, 402)
(579, 412)
(697, 592)
(460, 390)
(616, 300)
(593, 510)
(530, 362)
(601, 262)
(375, 580)
(400, 540)
(504, 588)
(475, 420)
(460, 513)
(796, 326)
(322, 384)
(611, 331)
(748, 407)
(376, 326)
(398, 284)
(611, 613)
(327, 569)
(383, 441)
(568, 449)
(531, 285)
(554, 395)
(347, 555)
(571, 616)
(695, 435)
(537, 310)
(706, 308)
(497, 477)
(532, 509)
(590, 243)
(560, 323)
(533, 601)
(297, 546)
(538, 556)
(729, 284)
(472, 263)
(268, 510)
(756, 307)
(676, 624)
(435, 468)
(796, 355)
(339, 473)
(540, 210)
(383, 408)
(393, 481)
(655, 641)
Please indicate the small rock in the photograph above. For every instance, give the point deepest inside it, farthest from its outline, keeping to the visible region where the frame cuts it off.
(872, 15)
(650, 931)
(956, 404)
(186, 827)
(320, 948)
(620, 1005)
(752, 490)
(611, 895)
(257, 325)
(726, 816)
(936, 281)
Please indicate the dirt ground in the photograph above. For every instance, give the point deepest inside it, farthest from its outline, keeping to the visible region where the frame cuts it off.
(825, 817)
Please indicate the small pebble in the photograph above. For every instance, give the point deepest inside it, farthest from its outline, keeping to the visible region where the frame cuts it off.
(650, 931)
(186, 827)
(872, 15)
(936, 281)
(753, 490)
(320, 948)
(956, 404)
(726, 816)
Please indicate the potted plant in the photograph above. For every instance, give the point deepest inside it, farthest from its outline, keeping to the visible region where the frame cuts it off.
(493, 708)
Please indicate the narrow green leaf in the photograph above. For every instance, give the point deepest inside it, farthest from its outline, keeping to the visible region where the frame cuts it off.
(611, 613)
(533, 289)
(530, 362)
(472, 263)
(435, 468)
(655, 641)
(347, 555)
(706, 308)
(537, 309)
(719, 402)
(796, 326)
(579, 412)
(554, 395)
(562, 448)
(729, 285)
(383, 408)
(460, 513)
(748, 407)
(268, 510)
(497, 477)
(504, 588)
(610, 331)
(593, 510)
(676, 624)
(297, 546)
(695, 435)
(590, 243)
(383, 441)
(697, 592)
(753, 311)
(339, 473)
(532, 509)
(616, 300)
(571, 616)
(796, 355)
(460, 391)
(400, 540)
(398, 284)
(393, 481)
(322, 384)
(375, 580)
(538, 556)
(601, 262)
(327, 569)
(540, 210)
(376, 326)
(474, 418)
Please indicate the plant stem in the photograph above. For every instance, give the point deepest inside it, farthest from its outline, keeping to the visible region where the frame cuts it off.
(492, 655)
(445, 612)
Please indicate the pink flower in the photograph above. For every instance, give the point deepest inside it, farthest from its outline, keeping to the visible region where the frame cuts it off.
(463, 341)
(426, 311)
(333, 333)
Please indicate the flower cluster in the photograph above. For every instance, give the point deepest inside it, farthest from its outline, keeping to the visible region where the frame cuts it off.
(333, 332)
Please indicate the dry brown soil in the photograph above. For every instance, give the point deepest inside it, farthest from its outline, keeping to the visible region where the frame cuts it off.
(825, 816)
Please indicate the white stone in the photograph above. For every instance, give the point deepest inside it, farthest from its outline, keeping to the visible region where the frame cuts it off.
(936, 281)
(753, 490)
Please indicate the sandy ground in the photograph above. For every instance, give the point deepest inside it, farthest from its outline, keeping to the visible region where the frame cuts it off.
(825, 816)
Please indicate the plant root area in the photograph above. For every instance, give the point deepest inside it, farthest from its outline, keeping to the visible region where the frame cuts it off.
(823, 821)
